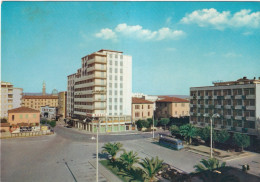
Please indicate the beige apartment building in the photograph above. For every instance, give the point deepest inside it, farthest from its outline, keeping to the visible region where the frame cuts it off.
(236, 102)
(10, 98)
(62, 104)
(36, 101)
(24, 115)
(171, 107)
(100, 91)
(141, 109)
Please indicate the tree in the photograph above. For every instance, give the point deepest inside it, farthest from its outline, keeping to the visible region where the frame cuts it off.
(174, 130)
(140, 124)
(127, 159)
(209, 164)
(112, 149)
(207, 170)
(241, 140)
(151, 167)
(204, 134)
(3, 120)
(222, 136)
(188, 131)
(164, 121)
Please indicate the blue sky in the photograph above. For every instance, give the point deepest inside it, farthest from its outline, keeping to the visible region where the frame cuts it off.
(174, 45)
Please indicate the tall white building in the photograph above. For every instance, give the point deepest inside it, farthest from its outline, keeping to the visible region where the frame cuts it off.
(103, 89)
(10, 98)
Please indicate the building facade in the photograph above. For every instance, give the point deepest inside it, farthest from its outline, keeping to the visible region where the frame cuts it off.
(37, 101)
(70, 94)
(23, 115)
(62, 104)
(102, 88)
(172, 107)
(237, 103)
(48, 112)
(141, 109)
(10, 98)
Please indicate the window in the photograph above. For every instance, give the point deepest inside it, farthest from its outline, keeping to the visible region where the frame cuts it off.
(121, 92)
(116, 56)
(34, 115)
(110, 77)
(121, 78)
(121, 56)
(115, 92)
(148, 114)
(121, 70)
(26, 115)
(121, 63)
(21, 116)
(110, 92)
(115, 107)
(116, 63)
(121, 85)
(110, 100)
(110, 85)
(110, 107)
(115, 99)
(121, 100)
(175, 104)
(137, 106)
(115, 77)
(12, 117)
(111, 63)
(142, 106)
(148, 106)
(115, 85)
(110, 70)
(115, 70)
(110, 55)
(137, 114)
(121, 107)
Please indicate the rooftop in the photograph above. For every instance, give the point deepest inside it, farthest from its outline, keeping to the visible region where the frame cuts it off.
(40, 97)
(136, 100)
(173, 100)
(23, 110)
(241, 81)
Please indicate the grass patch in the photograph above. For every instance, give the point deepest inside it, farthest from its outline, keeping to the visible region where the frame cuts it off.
(115, 171)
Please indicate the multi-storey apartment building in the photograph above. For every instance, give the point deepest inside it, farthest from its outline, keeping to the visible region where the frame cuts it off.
(237, 103)
(141, 109)
(10, 98)
(62, 104)
(102, 88)
(70, 94)
(36, 101)
(171, 107)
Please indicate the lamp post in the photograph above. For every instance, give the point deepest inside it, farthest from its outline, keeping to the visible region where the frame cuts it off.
(153, 124)
(213, 116)
(97, 154)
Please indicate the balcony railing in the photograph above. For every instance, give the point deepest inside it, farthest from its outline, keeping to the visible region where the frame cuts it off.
(250, 96)
(250, 118)
(227, 96)
(250, 107)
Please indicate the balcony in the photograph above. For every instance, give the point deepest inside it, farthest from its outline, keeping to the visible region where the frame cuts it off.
(238, 97)
(238, 107)
(250, 118)
(215, 97)
(191, 113)
(227, 106)
(238, 117)
(206, 106)
(218, 106)
(97, 60)
(199, 114)
(96, 68)
(227, 96)
(191, 105)
(228, 116)
(250, 97)
(250, 107)
(198, 105)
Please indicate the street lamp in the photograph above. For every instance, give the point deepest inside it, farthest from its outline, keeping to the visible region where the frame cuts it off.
(213, 116)
(153, 120)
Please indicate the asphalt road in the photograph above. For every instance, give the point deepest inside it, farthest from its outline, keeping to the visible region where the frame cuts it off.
(65, 156)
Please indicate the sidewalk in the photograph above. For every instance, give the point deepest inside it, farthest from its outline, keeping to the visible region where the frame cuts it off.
(217, 153)
(105, 172)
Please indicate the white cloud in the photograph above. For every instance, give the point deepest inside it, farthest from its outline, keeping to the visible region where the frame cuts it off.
(232, 55)
(168, 20)
(137, 31)
(106, 34)
(247, 33)
(222, 20)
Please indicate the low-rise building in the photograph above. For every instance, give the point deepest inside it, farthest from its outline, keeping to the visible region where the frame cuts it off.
(167, 107)
(141, 109)
(24, 115)
(236, 102)
(37, 101)
(48, 112)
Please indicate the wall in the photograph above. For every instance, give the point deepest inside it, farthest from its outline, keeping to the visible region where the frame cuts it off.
(24, 118)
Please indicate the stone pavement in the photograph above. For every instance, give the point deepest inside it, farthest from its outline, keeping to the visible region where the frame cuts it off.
(105, 172)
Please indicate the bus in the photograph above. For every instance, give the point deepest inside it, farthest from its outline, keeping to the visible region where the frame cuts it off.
(170, 141)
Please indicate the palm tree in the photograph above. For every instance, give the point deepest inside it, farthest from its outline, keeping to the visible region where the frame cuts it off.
(188, 131)
(112, 149)
(151, 167)
(128, 159)
(212, 170)
(210, 165)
